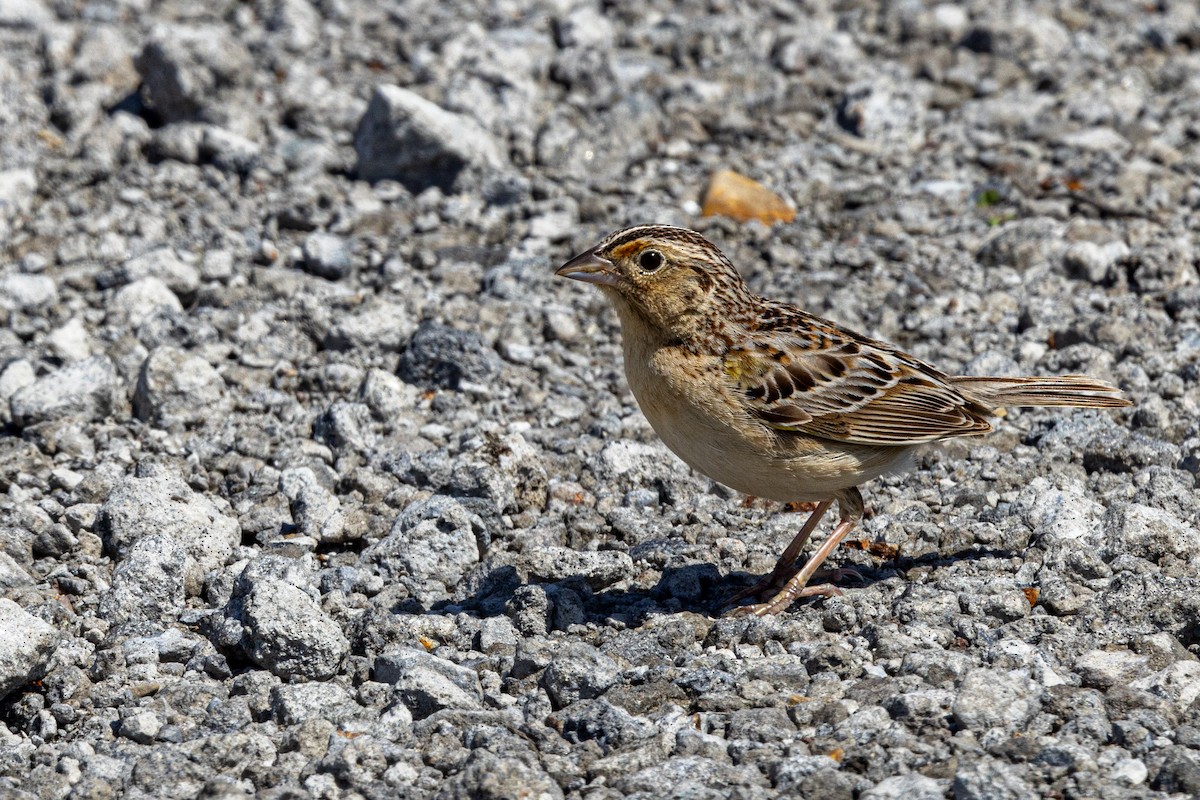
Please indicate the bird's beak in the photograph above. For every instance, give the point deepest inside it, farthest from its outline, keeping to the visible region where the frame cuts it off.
(589, 268)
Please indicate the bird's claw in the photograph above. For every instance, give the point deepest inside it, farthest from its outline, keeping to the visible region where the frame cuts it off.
(781, 601)
(774, 582)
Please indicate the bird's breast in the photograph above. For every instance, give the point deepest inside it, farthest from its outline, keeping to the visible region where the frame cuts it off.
(694, 408)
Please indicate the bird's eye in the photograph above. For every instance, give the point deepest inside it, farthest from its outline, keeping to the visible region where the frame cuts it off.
(650, 260)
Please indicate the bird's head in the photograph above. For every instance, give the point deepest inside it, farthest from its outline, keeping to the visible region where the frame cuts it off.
(671, 279)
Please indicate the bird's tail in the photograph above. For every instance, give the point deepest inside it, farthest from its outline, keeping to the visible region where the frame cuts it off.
(1077, 391)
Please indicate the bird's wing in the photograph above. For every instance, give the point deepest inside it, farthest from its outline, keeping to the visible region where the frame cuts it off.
(801, 373)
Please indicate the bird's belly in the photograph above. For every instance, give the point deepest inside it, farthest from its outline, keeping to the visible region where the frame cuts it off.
(755, 460)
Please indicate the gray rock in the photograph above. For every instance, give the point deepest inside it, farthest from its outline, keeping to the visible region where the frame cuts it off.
(285, 631)
(315, 510)
(149, 583)
(1151, 533)
(372, 325)
(69, 342)
(599, 568)
(26, 648)
(165, 505)
(913, 786)
(985, 779)
(87, 389)
(492, 776)
(18, 186)
(229, 151)
(810, 776)
(12, 574)
(178, 389)
(425, 683)
(430, 547)
(1178, 683)
(180, 141)
(441, 357)
(135, 302)
(185, 68)
(1106, 668)
(646, 772)
(20, 292)
(404, 137)
(1023, 244)
(579, 672)
(345, 427)
(141, 726)
(16, 375)
(386, 395)
(991, 698)
(1092, 261)
(297, 22)
(292, 704)
(24, 14)
(164, 264)
(1179, 773)
(327, 256)
(217, 265)
(885, 110)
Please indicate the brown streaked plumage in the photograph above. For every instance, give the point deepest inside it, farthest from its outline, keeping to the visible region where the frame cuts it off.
(776, 402)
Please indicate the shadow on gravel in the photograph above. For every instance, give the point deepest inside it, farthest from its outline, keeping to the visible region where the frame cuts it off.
(694, 588)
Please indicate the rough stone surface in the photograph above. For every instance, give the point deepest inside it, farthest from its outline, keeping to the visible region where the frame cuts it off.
(284, 629)
(404, 137)
(26, 648)
(175, 388)
(88, 389)
(163, 505)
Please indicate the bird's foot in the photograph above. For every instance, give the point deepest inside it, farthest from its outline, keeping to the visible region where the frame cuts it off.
(783, 599)
(775, 585)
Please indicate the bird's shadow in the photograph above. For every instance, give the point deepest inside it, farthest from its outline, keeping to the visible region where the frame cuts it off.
(695, 588)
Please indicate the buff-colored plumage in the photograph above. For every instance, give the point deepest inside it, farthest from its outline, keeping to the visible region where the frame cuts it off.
(778, 403)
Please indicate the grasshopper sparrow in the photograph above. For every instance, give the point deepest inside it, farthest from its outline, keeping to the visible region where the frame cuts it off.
(777, 403)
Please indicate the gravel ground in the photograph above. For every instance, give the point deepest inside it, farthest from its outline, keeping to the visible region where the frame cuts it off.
(316, 483)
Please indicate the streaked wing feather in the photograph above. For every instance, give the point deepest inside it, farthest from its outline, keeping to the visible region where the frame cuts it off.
(805, 374)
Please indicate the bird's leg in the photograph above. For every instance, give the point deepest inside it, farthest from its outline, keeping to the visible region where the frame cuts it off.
(783, 567)
(851, 507)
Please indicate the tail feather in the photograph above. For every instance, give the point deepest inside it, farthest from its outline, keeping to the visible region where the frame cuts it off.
(1075, 391)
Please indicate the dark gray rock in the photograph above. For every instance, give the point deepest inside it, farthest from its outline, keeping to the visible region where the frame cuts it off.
(404, 137)
(1179, 773)
(186, 68)
(441, 357)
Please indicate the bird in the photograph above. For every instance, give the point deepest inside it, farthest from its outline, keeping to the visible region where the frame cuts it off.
(775, 402)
